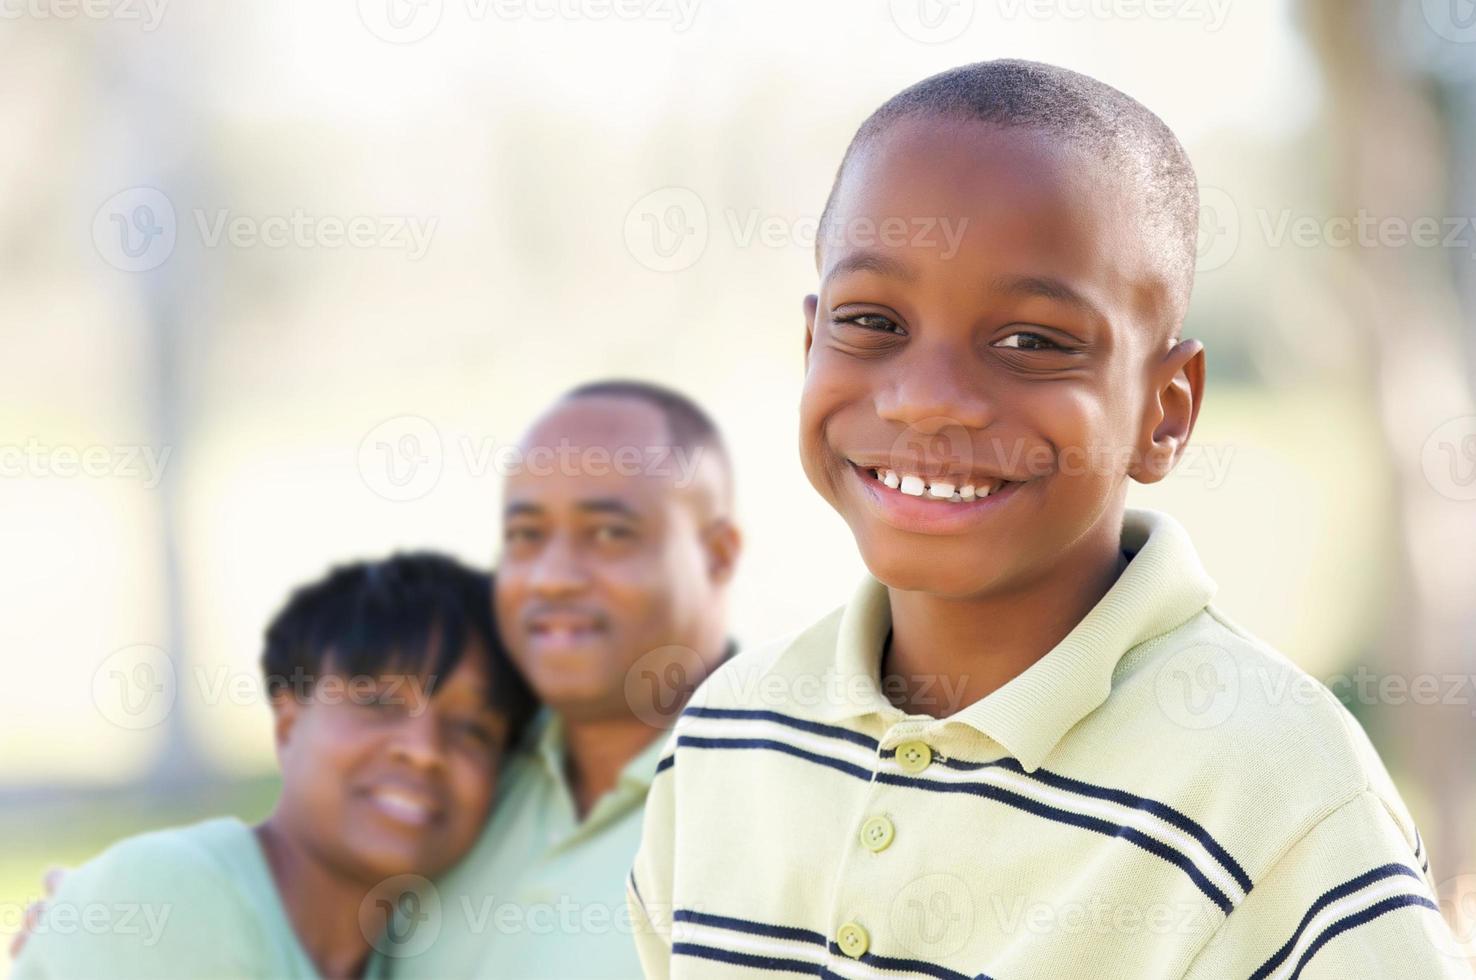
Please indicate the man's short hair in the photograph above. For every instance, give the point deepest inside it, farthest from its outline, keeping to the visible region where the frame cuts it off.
(688, 427)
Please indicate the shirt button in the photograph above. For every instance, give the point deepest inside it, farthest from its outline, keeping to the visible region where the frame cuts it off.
(852, 940)
(914, 756)
(877, 833)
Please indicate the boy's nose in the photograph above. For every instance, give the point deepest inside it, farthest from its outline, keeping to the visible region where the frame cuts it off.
(933, 392)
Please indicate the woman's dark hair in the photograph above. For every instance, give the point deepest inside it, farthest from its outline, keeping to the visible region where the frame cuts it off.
(409, 613)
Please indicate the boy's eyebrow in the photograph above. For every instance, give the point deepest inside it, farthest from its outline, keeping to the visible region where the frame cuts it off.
(864, 261)
(521, 508)
(1047, 287)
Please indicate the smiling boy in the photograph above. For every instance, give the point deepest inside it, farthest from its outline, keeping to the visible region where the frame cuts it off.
(1119, 792)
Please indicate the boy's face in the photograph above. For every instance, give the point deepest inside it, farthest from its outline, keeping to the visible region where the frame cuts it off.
(1009, 333)
(380, 778)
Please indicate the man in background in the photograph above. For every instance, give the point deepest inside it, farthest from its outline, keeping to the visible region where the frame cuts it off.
(618, 547)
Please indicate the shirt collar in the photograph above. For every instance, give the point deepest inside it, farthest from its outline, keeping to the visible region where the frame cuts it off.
(546, 741)
(1163, 586)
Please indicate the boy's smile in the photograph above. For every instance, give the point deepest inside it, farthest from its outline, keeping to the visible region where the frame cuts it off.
(972, 407)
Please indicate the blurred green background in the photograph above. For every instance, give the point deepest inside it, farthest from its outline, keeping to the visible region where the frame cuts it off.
(634, 194)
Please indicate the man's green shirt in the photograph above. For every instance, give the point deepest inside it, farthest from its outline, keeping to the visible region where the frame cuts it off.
(543, 893)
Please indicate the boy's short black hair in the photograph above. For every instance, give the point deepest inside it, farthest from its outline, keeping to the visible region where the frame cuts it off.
(410, 612)
(1083, 112)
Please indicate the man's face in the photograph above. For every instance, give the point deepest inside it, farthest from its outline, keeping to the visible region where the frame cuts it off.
(1013, 360)
(391, 775)
(603, 564)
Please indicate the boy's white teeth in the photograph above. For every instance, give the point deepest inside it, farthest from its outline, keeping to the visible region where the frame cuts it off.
(916, 486)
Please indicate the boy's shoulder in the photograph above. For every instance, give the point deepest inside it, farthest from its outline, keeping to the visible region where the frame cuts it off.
(1214, 716)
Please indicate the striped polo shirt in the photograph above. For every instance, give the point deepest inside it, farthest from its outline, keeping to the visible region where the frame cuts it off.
(1160, 795)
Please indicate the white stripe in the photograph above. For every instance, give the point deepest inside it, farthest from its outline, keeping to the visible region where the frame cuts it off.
(1114, 812)
(743, 942)
(1349, 905)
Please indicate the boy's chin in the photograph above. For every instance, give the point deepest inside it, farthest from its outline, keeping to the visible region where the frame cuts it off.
(948, 567)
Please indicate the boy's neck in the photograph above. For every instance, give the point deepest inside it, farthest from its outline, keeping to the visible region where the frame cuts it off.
(322, 906)
(945, 654)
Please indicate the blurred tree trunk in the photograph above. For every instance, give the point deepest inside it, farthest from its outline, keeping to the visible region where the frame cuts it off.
(1400, 147)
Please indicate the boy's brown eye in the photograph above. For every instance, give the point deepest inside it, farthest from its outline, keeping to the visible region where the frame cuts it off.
(1028, 340)
(869, 321)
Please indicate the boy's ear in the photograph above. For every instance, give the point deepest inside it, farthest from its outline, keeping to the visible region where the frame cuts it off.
(723, 542)
(1177, 389)
(285, 711)
(812, 303)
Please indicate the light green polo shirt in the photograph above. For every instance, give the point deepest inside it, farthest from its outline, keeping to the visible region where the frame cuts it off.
(1160, 796)
(189, 902)
(543, 893)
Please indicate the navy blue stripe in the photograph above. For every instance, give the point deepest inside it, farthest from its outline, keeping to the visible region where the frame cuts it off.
(1358, 919)
(665, 764)
(1161, 810)
(1097, 824)
(1130, 800)
(1121, 797)
(998, 794)
(1324, 900)
(734, 924)
(813, 727)
(910, 965)
(797, 934)
(701, 742)
(753, 961)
